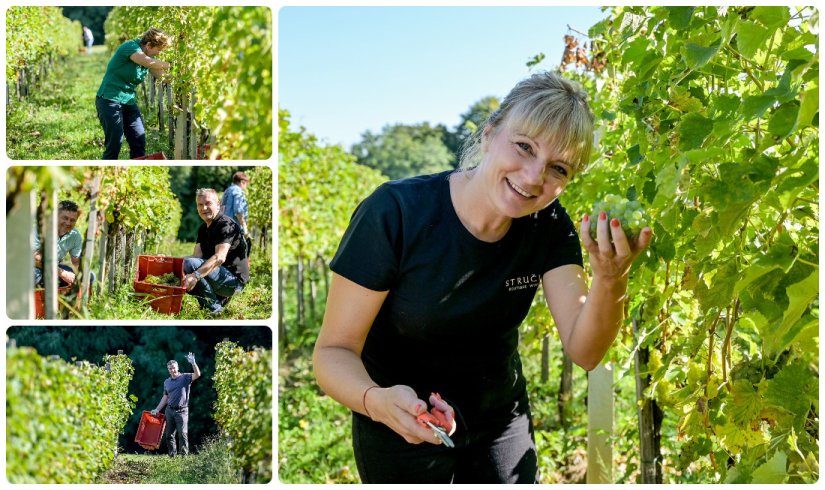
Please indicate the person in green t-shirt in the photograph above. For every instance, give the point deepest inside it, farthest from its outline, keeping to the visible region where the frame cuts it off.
(116, 101)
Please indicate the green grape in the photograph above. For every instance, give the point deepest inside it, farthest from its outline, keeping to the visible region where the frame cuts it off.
(629, 213)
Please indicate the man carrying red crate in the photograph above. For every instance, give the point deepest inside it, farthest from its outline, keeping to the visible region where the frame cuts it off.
(69, 241)
(218, 267)
(176, 390)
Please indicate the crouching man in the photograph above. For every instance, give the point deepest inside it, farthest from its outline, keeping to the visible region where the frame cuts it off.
(218, 268)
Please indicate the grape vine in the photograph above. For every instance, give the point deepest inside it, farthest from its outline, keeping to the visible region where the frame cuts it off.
(63, 420)
(243, 410)
(709, 117)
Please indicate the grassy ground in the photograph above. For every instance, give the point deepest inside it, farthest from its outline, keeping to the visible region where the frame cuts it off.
(58, 121)
(211, 464)
(254, 302)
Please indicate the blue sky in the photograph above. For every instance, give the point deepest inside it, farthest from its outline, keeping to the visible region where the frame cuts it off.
(345, 70)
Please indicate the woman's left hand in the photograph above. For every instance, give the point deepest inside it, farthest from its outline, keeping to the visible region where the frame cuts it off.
(611, 261)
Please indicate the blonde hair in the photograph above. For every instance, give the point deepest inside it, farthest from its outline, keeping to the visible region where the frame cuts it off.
(156, 38)
(546, 106)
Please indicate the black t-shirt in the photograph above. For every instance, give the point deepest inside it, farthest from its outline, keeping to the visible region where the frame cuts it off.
(450, 321)
(224, 230)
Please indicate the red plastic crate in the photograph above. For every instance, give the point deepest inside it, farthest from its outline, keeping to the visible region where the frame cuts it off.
(40, 299)
(153, 156)
(150, 430)
(202, 153)
(168, 299)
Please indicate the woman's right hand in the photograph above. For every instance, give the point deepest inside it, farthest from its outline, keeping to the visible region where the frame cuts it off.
(397, 407)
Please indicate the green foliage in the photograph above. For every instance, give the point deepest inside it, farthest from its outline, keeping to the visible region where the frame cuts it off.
(471, 121)
(402, 150)
(36, 34)
(259, 196)
(709, 120)
(67, 415)
(318, 189)
(243, 410)
(138, 199)
(224, 56)
(310, 424)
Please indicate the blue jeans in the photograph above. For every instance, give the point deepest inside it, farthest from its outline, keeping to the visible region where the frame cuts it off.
(38, 276)
(118, 120)
(213, 290)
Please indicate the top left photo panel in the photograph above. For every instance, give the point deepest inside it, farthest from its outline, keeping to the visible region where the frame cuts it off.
(138, 83)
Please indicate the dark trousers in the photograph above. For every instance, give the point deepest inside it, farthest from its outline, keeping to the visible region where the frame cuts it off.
(503, 452)
(177, 421)
(118, 120)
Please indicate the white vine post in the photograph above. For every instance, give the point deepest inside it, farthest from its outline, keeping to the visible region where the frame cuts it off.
(20, 258)
(48, 239)
(600, 424)
(91, 231)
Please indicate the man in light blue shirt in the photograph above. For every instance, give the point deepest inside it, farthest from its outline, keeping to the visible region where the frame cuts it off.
(69, 242)
(234, 205)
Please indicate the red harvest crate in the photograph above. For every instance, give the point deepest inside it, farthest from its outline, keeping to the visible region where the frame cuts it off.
(168, 299)
(150, 430)
(40, 300)
(153, 156)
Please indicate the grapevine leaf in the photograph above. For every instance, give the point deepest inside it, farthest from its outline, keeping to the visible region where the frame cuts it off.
(747, 403)
(697, 56)
(679, 17)
(781, 255)
(808, 109)
(799, 295)
(772, 471)
(772, 17)
(784, 119)
(755, 106)
(693, 130)
(634, 156)
(750, 37)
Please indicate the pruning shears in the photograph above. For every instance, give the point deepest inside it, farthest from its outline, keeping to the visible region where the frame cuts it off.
(436, 420)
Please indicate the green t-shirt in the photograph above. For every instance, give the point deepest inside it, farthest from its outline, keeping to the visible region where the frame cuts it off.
(123, 75)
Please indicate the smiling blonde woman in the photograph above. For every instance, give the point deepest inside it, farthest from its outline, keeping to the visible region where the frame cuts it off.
(433, 278)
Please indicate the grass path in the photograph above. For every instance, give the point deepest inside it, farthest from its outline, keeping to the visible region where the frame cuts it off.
(58, 121)
(212, 464)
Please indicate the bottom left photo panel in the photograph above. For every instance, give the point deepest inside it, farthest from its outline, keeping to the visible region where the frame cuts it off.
(140, 404)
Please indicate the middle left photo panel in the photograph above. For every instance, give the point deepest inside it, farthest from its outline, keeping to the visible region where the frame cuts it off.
(139, 242)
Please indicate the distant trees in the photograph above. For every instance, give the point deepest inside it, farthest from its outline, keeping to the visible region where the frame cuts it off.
(405, 150)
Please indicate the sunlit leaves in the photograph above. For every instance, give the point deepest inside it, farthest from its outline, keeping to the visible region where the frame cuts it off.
(243, 410)
(63, 420)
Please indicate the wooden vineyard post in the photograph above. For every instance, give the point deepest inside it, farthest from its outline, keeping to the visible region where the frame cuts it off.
(48, 239)
(171, 115)
(193, 142)
(600, 424)
(101, 275)
(160, 107)
(86, 280)
(282, 335)
(650, 419)
(151, 80)
(180, 129)
(20, 258)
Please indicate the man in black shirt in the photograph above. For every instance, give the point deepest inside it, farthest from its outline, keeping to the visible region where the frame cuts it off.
(219, 266)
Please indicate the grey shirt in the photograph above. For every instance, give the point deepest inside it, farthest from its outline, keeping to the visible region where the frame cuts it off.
(178, 390)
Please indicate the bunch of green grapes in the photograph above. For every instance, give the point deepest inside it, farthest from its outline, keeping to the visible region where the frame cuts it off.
(168, 279)
(629, 213)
